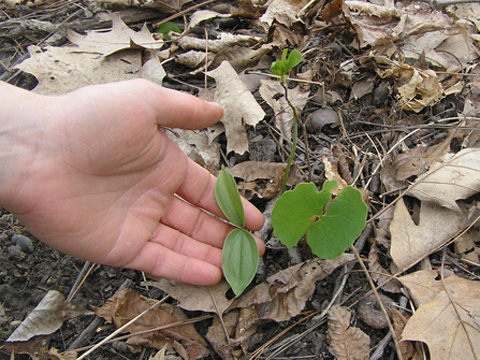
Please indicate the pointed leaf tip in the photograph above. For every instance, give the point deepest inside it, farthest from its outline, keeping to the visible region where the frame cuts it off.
(228, 198)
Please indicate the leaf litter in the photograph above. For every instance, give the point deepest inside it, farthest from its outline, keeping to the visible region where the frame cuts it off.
(401, 81)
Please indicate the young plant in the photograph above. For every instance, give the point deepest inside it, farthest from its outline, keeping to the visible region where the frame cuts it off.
(165, 29)
(281, 68)
(240, 255)
(330, 227)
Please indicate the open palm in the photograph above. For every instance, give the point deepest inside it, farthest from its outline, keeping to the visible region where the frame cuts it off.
(104, 182)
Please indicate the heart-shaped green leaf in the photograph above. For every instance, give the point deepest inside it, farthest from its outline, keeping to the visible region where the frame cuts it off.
(344, 221)
(228, 198)
(240, 257)
(302, 211)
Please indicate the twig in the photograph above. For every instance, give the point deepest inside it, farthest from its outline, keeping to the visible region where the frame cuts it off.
(380, 302)
(82, 276)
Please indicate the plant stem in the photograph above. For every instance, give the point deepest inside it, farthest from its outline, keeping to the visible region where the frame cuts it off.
(294, 140)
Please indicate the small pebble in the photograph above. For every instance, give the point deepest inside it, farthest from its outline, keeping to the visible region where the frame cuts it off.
(23, 242)
(14, 251)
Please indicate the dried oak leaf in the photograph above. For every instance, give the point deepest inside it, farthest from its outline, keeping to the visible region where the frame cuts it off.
(453, 179)
(447, 317)
(60, 70)
(346, 342)
(120, 37)
(239, 107)
(410, 242)
(127, 304)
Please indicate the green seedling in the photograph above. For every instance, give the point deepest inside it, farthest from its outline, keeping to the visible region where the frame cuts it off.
(165, 29)
(283, 66)
(330, 226)
(240, 255)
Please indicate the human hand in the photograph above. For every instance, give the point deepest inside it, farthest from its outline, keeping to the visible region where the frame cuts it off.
(97, 179)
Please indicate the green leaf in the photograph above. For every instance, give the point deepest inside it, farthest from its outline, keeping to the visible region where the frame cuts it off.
(228, 198)
(296, 210)
(302, 211)
(344, 221)
(165, 28)
(240, 257)
(283, 66)
(294, 59)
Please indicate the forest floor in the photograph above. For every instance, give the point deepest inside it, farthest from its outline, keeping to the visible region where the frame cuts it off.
(389, 95)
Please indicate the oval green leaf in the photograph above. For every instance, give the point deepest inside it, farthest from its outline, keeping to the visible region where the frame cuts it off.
(228, 198)
(294, 59)
(240, 257)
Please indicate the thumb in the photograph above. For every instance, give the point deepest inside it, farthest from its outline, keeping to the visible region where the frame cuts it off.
(176, 109)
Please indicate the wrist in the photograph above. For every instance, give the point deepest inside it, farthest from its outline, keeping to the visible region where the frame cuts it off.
(20, 136)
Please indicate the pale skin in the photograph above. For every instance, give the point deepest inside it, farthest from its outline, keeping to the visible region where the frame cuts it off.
(93, 174)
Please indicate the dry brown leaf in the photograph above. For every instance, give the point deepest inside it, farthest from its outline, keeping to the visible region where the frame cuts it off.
(399, 320)
(377, 24)
(120, 37)
(377, 271)
(204, 15)
(285, 293)
(453, 179)
(240, 57)
(448, 315)
(262, 179)
(229, 348)
(331, 172)
(47, 317)
(195, 144)
(193, 58)
(59, 70)
(281, 297)
(283, 113)
(239, 107)
(224, 41)
(419, 159)
(421, 89)
(466, 248)
(127, 304)
(209, 299)
(346, 342)
(36, 348)
(410, 242)
(282, 11)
